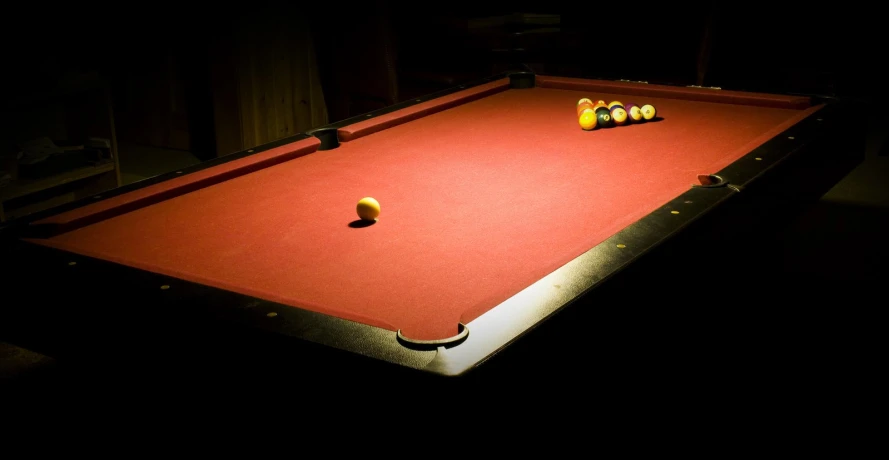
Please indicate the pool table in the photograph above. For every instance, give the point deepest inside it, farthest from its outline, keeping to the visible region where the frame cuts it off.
(499, 216)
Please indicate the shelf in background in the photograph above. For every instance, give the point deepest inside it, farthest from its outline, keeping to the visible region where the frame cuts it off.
(22, 189)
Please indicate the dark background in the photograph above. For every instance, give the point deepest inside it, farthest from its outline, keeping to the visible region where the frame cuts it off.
(226, 77)
(372, 54)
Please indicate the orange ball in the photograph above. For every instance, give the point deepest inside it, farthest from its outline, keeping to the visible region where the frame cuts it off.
(583, 106)
(586, 99)
(599, 105)
(588, 120)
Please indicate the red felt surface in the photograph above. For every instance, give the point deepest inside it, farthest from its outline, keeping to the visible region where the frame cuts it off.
(478, 202)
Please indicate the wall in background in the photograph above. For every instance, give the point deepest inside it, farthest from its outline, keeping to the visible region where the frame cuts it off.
(210, 82)
(234, 76)
(265, 80)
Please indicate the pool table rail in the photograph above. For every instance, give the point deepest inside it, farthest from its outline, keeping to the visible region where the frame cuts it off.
(126, 305)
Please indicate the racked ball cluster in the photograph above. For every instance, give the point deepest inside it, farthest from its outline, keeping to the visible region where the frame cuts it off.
(599, 114)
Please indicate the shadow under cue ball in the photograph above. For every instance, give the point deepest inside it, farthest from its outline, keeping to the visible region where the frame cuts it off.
(368, 208)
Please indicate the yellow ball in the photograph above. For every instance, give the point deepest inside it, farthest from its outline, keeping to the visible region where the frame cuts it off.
(368, 208)
(614, 103)
(619, 116)
(648, 112)
(588, 120)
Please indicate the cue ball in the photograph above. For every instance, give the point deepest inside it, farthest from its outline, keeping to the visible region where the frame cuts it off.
(368, 208)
